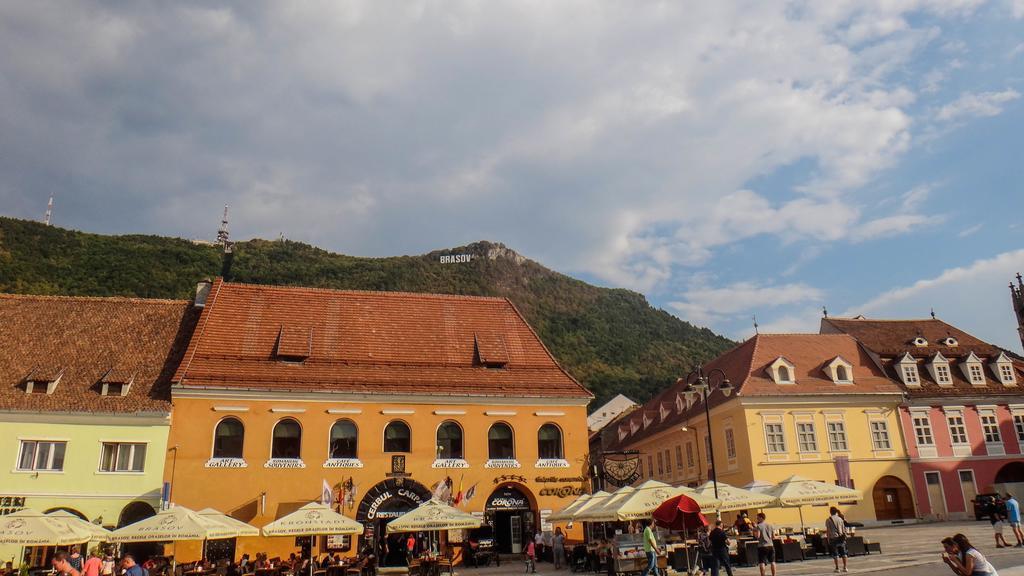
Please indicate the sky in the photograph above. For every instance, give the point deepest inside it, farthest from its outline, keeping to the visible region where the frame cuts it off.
(727, 159)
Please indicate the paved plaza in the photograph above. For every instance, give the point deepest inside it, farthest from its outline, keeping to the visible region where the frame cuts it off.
(911, 550)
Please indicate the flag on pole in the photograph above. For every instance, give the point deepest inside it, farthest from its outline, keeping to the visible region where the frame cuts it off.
(326, 494)
(458, 495)
(470, 493)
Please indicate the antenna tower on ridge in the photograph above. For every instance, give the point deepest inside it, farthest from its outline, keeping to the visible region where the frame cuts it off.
(224, 240)
(49, 211)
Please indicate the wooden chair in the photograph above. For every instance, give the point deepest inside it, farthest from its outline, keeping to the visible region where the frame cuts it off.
(415, 567)
(446, 565)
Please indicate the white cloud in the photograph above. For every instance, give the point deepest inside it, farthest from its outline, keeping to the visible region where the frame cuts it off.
(608, 138)
(1017, 8)
(893, 226)
(973, 297)
(706, 304)
(969, 231)
(976, 105)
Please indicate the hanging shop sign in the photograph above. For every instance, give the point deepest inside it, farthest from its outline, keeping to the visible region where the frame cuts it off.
(510, 478)
(226, 463)
(622, 472)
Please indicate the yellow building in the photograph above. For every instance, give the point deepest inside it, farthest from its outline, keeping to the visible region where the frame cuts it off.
(812, 405)
(85, 404)
(382, 396)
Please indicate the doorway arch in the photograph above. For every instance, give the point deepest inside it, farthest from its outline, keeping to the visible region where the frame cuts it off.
(382, 503)
(892, 498)
(1011, 473)
(131, 514)
(511, 511)
(68, 510)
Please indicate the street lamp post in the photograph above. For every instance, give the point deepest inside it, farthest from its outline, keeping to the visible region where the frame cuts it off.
(702, 385)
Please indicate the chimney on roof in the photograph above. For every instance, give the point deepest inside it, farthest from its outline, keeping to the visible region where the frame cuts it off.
(202, 292)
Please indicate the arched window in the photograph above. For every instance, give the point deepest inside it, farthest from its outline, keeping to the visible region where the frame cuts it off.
(841, 374)
(287, 439)
(500, 442)
(397, 437)
(228, 438)
(549, 442)
(783, 374)
(449, 440)
(344, 437)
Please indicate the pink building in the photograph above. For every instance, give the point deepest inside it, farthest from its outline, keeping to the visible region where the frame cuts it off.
(963, 418)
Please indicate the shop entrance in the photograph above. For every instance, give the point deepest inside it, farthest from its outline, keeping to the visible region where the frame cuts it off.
(382, 503)
(509, 513)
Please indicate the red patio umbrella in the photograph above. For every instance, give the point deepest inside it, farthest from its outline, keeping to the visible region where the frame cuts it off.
(679, 513)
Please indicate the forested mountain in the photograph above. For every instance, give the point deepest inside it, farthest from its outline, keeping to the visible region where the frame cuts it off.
(612, 340)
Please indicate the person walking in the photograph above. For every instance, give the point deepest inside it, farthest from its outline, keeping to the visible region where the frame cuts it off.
(996, 519)
(538, 541)
(93, 565)
(1013, 518)
(835, 532)
(651, 550)
(531, 558)
(720, 549)
(765, 534)
(62, 566)
(964, 559)
(130, 567)
(558, 548)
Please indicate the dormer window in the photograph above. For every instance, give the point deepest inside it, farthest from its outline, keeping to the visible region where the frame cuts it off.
(840, 371)
(680, 404)
(920, 342)
(623, 432)
(906, 368)
(1002, 367)
(664, 411)
(43, 380)
(647, 420)
(782, 371)
(939, 368)
(973, 370)
(116, 382)
(634, 426)
(950, 341)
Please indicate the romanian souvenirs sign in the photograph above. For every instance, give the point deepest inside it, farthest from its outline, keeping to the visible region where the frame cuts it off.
(622, 472)
(284, 463)
(502, 463)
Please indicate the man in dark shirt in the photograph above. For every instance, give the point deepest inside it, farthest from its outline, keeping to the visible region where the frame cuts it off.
(719, 549)
(130, 567)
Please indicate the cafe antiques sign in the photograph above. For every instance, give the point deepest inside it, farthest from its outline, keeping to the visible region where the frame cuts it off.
(571, 486)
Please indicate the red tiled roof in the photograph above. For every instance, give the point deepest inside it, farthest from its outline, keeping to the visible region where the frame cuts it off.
(86, 341)
(746, 367)
(891, 339)
(370, 343)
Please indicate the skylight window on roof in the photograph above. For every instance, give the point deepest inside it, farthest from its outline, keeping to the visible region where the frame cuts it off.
(116, 382)
(294, 344)
(43, 380)
(490, 350)
(920, 342)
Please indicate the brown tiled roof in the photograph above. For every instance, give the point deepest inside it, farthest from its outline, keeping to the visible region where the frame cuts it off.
(369, 343)
(746, 367)
(87, 340)
(891, 339)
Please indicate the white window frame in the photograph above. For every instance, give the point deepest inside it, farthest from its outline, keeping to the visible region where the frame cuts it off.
(35, 455)
(806, 438)
(922, 425)
(118, 444)
(833, 370)
(730, 444)
(959, 436)
(1003, 368)
(908, 372)
(940, 370)
(836, 435)
(1018, 427)
(690, 463)
(991, 433)
(779, 430)
(879, 430)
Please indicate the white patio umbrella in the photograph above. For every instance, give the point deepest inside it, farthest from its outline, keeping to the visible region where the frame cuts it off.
(566, 513)
(313, 519)
(99, 533)
(733, 498)
(173, 525)
(603, 511)
(242, 529)
(433, 515)
(33, 528)
(797, 491)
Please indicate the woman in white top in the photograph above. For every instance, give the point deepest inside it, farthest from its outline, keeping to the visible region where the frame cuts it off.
(964, 559)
